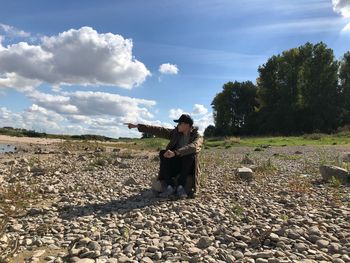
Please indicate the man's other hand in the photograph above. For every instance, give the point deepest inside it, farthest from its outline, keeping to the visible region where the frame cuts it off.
(130, 125)
(169, 154)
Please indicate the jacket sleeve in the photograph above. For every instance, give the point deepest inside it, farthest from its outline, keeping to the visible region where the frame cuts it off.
(193, 147)
(155, 130)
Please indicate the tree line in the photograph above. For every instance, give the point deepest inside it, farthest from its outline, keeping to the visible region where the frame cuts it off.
(303, 90)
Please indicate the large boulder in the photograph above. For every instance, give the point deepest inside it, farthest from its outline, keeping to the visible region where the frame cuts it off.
(329, 171)
(245, 174)
(346, 157)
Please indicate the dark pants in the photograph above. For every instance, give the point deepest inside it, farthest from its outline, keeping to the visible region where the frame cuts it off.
(171, 167)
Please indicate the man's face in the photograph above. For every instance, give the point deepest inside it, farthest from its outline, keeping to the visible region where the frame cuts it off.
(183, 127)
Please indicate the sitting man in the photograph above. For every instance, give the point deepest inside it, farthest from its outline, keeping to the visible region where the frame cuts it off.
(180, 156)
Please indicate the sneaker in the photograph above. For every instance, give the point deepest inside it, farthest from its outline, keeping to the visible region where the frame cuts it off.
(181, 192)
(168, 191)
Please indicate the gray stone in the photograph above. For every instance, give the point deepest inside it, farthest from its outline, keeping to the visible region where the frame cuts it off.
(346, 157)
(130, 181)
(204, 242)
(94, 245)
(85, 260)
(123, 259)
(334, 247)
(321, 243)
(301, 247)
(329, 171)
(146, 260)
(238, 254)
(244, 173)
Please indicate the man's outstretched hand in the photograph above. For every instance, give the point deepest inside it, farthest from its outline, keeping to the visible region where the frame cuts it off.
(130, 125)
(169, 154)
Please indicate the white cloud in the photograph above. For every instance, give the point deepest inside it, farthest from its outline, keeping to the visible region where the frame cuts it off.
(342, 7)
(44, 120)
(13, 32)
(346, 28)
(168, 69)
(199, 109)
(203, 122)
(176, 113)
(80, 107)
(201, 117)
(34, 118)
(13, 80)
(74, 57)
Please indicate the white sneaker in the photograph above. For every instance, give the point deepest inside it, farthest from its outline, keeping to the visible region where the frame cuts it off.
(168, 191)
(181, 192)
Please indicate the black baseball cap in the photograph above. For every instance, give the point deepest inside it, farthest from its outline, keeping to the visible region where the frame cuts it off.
(185, 118)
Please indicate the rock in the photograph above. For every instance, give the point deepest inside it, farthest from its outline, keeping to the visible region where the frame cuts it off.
(130, 182)
(274, 237)
(146, 260)
(300, 247)
(37, 170)
(329, 171)
(265, 254)
(321, 243)
(94, 245)
(123, 259)
(244, 173)
(204, 242)
(247, 160)
(346, 157)
(194, 251)
(334, 247)
(237, 254)
(156, 185)
(16, 227)
(38, 253)
(85, 260)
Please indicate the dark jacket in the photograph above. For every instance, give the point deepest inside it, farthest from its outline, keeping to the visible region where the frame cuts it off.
(173, 135)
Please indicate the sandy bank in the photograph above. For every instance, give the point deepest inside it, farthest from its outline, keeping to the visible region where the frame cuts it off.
(4, 139)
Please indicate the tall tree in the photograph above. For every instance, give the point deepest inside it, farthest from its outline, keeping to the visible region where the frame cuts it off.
(233, 106)
(298, 91)
(344, 76)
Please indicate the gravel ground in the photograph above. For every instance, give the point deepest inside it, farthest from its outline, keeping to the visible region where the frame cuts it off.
(92, 206)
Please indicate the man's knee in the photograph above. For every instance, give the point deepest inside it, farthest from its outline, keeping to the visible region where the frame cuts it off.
(188, 158)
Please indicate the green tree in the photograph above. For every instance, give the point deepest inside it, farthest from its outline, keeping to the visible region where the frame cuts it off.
(298, 91)
(233, 106)
(344, 76)
(210, 131)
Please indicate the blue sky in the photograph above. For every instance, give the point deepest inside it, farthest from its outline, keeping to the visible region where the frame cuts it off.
(78, 67)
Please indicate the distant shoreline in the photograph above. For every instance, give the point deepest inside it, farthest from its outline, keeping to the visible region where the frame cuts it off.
(5, 139)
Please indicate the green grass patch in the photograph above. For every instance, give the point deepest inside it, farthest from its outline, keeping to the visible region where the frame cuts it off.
(141, 144)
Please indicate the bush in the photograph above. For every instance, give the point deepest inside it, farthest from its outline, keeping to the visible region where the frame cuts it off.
(313, 136)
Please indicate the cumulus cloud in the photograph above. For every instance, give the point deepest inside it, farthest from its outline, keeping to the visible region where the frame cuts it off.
(79, 106)
(199, 109)
(13, 32)
(74, 57)
(342, 7)
(176, 113)
(33, 118)
(201, 117)
(204, 121)
(167, 68)
(45, 120)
